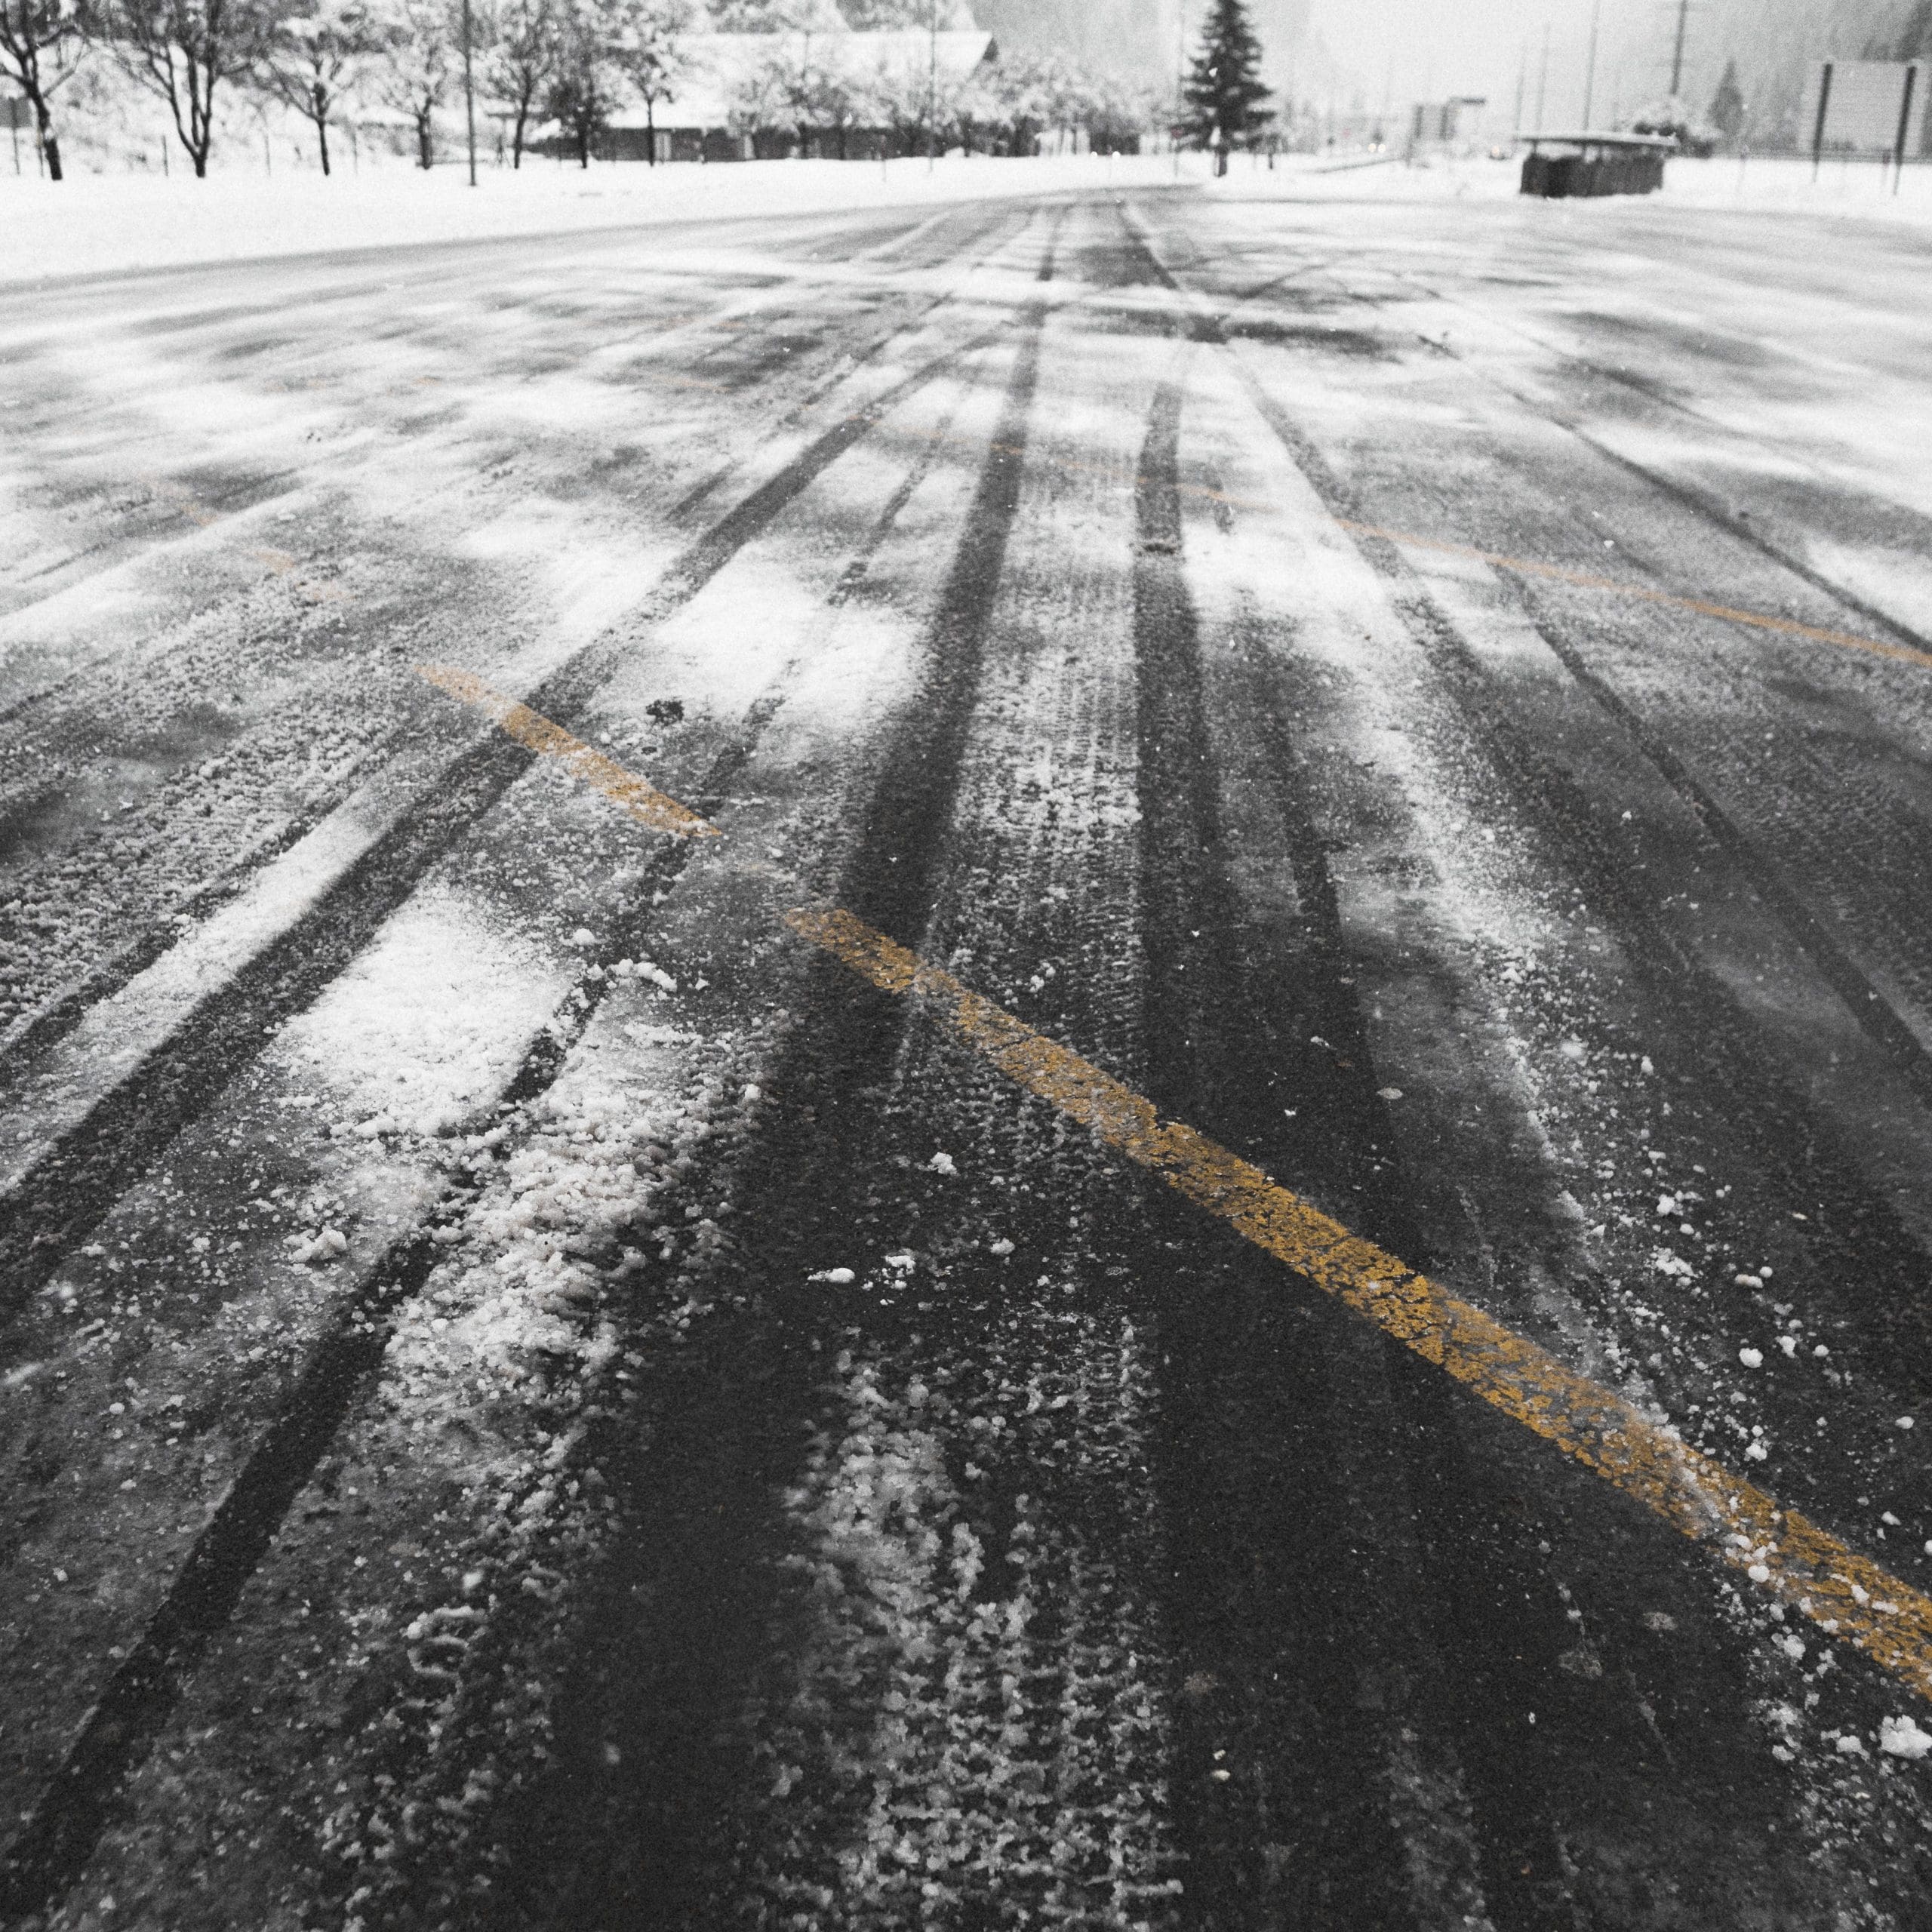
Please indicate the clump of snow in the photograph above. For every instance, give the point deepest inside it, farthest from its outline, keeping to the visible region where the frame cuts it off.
(838, 1277)
(1752, 1358)
(324, 1245)
(1901, 1737)
(943, 1163)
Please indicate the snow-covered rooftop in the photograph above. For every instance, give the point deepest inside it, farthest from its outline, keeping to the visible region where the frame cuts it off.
(722, 71)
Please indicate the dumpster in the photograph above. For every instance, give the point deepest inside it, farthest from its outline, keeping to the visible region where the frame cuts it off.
(1559, 165)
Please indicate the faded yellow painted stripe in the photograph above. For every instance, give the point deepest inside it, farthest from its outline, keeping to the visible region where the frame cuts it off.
(1900, 653)
(644, 802)
(1779, 1550)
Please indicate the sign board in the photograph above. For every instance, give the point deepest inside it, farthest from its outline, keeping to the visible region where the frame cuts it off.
(1865, 107)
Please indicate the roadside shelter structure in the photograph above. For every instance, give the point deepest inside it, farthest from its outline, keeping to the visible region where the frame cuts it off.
(1560, 165)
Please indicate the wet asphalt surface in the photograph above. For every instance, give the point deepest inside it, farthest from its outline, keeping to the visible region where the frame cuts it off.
(534, 1400)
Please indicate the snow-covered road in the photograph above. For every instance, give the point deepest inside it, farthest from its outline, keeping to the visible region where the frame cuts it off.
(534, 1398)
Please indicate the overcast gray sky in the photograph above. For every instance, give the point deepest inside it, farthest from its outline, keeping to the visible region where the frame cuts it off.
(1430, 49)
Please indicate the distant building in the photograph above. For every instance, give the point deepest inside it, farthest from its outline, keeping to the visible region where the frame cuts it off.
(1446, 124)
(836, 96)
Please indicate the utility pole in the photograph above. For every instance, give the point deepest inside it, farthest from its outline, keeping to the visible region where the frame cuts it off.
(1542, 77)
(1590, 66)
(468, 91)
(1180, 77)
(1522, 74)
(1677, 54)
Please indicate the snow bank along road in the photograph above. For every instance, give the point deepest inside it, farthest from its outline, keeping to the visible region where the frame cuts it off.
(562, 1370)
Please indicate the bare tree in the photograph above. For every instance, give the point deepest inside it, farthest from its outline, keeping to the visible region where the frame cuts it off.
(646, 46)
(314, 55)
(182, 50)
(521, 63)
(420, 56)
(42, 42)
(585, 91)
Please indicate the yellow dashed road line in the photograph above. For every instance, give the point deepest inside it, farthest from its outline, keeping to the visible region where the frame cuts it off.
(1778, 1549)
(1899, 653)
(644, 802)
(1583, 579)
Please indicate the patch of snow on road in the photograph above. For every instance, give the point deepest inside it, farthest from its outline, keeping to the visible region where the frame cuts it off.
(427, 1026)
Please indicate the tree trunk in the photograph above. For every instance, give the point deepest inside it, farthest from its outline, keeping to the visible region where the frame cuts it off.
(583, 144)
(516, 139)
(49, 144)
(425, 159)
(321, 117)
(650, 130)
(1221, 159)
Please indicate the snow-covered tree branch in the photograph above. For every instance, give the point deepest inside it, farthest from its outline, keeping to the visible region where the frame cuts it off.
(42, 42)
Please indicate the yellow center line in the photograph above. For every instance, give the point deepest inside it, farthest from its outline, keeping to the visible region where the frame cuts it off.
(1584, 579)
(1778, 1549)
(1795, 1560)
(644, 802)
(1900, 653)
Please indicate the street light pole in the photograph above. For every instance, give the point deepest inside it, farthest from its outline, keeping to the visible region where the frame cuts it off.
(1677, 55)
(1542, 77)
(1590, 67)
(468, 91)
(1180, 76)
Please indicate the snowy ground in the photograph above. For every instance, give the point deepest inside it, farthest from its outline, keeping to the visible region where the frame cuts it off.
(95, 223)
(532, 1400)
(101, 223)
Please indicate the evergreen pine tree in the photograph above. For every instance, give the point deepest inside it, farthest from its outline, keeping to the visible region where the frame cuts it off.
(1221, 99)
(1727, 104)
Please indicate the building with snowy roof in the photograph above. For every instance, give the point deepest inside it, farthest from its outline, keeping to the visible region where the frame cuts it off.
(838, 95)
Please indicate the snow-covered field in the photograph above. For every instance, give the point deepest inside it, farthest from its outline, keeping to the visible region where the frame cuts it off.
(101, 223)
(1862, 190)
(105, 223)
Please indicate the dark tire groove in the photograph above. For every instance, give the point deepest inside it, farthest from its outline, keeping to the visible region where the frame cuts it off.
(61, 1199)
(677, 1630)
(51, 1851)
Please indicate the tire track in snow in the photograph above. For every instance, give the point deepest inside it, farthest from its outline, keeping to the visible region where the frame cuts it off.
(677, 1636)
(55, 1840)
(1521, 1809)
(1318, 1805)
(54, 1204)
(1867, 1004)
(967, 1715)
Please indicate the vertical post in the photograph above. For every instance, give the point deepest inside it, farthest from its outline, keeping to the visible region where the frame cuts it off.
(1677, 54)
(932, 85)
(1590, 65)
(1181, 77)
(1818, 129)
(1905, 124)
(1522, 74)
(468, 91)
(1542, 77)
